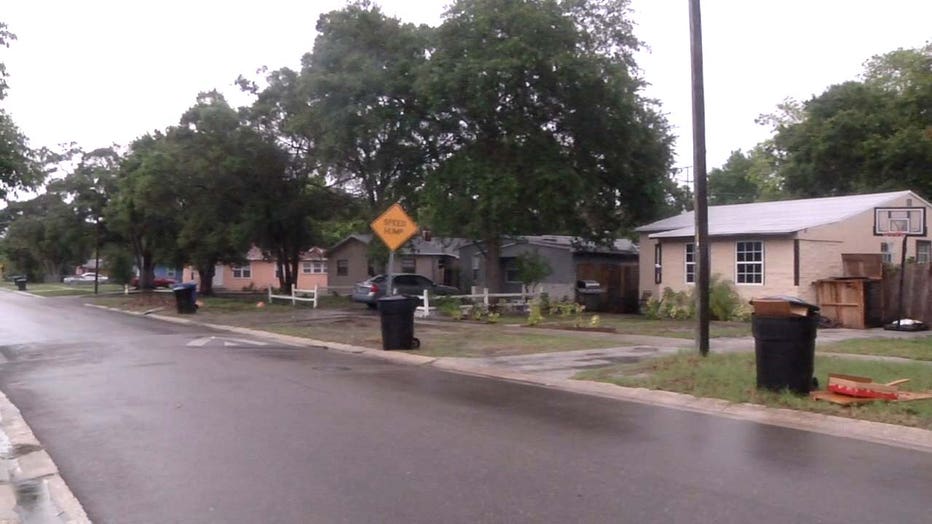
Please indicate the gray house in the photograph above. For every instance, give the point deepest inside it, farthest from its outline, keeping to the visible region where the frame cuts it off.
(614, 267)
(437, 259)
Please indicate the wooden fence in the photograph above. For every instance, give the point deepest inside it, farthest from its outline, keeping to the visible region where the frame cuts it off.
(917, 292)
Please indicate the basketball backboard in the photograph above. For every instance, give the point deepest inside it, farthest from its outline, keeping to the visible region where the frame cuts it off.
(909, 221)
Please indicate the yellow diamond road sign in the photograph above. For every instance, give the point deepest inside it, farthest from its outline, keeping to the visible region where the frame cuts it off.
(394, 227)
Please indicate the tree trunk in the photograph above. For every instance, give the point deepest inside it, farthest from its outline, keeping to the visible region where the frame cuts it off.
(147, 273)
(206, 273)
(493, 268)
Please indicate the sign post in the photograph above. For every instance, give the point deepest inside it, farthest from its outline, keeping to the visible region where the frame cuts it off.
(394, 227)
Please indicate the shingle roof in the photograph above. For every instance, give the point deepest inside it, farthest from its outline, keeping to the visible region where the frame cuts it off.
(771, 218)
(577, 245)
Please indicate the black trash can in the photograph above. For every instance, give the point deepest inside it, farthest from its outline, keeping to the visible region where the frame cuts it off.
(186, 297)
(20, 283)
(397, 315)
(784, 348)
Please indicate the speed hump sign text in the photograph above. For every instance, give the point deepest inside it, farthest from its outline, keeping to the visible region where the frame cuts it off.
(394, 227)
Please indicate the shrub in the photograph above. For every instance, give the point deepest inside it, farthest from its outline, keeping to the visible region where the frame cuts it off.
(534, 313)
(449, 307)
(724, 303)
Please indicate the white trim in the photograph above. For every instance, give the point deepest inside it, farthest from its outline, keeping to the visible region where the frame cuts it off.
(686, 262)
(242, 276)
(763, 266)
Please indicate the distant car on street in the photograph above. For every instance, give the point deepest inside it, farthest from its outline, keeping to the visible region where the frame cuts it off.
(370, 291)
(156, 282)
(85, 278)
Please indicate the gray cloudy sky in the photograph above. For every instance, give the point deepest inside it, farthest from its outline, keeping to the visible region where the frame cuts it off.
(99, 72)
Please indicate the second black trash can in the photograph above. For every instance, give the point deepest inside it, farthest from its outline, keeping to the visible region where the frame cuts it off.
(186, 297)
(397, 315)
(20, 283)
(784, 345)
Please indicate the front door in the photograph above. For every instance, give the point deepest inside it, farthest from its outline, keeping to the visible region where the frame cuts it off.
(218, 277)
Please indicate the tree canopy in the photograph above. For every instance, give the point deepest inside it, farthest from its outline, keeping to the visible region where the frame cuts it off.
(540, 130)
(19, 168)
(859, 136)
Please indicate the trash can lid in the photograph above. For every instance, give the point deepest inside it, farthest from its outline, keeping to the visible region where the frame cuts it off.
(783, 305)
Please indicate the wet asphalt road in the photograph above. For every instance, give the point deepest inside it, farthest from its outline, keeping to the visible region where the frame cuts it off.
(146, 428)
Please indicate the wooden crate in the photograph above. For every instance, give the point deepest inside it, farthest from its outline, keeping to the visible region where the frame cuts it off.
(845, 301)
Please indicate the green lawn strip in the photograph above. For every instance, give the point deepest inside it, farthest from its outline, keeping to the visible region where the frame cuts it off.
(453, 340)
(912, 348)
(61, 290)
(731, 377)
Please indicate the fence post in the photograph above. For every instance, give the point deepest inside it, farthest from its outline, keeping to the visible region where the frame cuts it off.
(270, 293)
(292, 294)
(485, 297)
(315, 296)
(473, 290)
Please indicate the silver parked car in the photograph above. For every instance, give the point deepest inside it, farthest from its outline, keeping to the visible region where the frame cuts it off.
(85, 278)
(370, 291)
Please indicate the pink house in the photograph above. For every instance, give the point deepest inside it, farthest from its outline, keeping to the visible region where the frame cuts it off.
(258, 273)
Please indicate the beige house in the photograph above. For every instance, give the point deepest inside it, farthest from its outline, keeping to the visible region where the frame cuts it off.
(437, 259)
(775, 248)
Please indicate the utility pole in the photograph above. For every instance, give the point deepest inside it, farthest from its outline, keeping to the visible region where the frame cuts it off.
(699, 174)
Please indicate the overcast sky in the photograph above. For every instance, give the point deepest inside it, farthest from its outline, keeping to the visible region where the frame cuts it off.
(98, 72)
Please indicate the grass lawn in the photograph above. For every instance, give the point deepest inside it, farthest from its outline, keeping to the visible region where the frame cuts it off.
(912, 348)
(731, 376)
(62, 290)
(453, 340)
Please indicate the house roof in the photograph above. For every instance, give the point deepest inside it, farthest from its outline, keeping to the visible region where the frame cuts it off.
(578, 245)
(437, 246)
(314, 253)
(773, 218)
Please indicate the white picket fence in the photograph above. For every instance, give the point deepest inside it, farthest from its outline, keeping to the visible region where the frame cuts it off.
(297, 295)
(516, 301)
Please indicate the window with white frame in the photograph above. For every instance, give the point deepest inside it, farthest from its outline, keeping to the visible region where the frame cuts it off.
(923, 251)
(313, 267)
(749, 262)
(242, 271)
(886, 249)
(690, 263)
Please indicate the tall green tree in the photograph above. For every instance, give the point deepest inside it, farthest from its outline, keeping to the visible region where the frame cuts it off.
(860, 136)
(144, 209)
(541, 122)
(363, 111)
(745, 177)
(89, 188)
(19, 168)
(44, 236)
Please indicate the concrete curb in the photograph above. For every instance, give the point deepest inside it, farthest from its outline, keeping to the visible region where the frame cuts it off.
(876, 432)
(28, 464)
